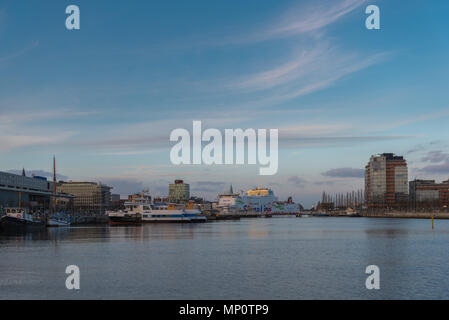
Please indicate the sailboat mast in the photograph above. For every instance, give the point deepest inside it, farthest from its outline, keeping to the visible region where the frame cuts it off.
(20, 192)
(54, 185)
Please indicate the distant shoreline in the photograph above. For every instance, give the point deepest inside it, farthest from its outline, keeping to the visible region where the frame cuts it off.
(406, 215)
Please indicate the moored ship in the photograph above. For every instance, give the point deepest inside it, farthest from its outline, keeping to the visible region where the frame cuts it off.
(260, 201)
(142, 210)
(162, 213)
(193, 214)
(124, 217)
(129, 216)
(18, 219)
(285, 207)
(61, 219)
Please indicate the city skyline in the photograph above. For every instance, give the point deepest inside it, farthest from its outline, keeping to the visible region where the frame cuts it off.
(105, 98)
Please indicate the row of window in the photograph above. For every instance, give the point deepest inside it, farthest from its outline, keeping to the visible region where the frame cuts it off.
(160, 216)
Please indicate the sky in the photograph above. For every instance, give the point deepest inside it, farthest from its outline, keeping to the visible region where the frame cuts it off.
(104, 99)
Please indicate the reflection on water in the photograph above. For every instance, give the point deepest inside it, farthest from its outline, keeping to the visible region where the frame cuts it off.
(277, 258)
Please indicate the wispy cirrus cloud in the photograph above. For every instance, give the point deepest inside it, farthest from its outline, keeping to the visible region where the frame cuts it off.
(30, 116)
(298, 20)
(312, 17)
(314, 65)
(9, 142)
(300, 65)
(19, 130)
(344, 173)
(11, 56)
(310, 71)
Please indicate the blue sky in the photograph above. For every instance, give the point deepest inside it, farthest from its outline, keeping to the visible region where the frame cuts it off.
(105, 98)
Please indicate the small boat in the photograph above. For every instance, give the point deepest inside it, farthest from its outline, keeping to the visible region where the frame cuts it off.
(298, 215)
(18, 219)
(59, 220)
(124, 217)
(352, 213)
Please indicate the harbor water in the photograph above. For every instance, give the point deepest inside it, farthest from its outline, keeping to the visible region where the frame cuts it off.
(259, 258)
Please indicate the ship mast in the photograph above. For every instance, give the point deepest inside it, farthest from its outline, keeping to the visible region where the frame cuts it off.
(20, 192)
(54, 185)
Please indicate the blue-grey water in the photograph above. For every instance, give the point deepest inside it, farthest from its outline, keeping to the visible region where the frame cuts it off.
(277, 258)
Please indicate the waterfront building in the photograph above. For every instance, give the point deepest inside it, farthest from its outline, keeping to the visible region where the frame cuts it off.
(115, 202)
(140, 197)
(31, 192)
(386, 181)
(179, 191)
(161, 199)
(115, 197)
(88, 196)
(429, 194)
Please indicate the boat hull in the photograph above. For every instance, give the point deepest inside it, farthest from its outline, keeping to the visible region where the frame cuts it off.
(125, 221)
(167, 220)
(13, 224)
(57, 223)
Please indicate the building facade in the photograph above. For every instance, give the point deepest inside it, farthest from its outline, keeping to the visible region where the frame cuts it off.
(386, 181)
(30, 192)
(89, 197)
(179, 191)
(429, 194)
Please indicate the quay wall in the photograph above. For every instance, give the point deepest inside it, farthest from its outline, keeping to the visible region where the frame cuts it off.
(406, 215)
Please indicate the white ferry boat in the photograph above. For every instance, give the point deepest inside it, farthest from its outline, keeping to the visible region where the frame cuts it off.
(162, 213)
(260, 200)
(146, 212)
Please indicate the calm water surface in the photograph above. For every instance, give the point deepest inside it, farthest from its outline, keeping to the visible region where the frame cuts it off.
(277, 258)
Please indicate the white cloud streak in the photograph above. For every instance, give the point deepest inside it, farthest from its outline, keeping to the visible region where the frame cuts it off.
(300, 20)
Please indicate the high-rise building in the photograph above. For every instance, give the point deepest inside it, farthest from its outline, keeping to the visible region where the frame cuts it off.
(386, 181)
(179, 191)
(89, 196)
